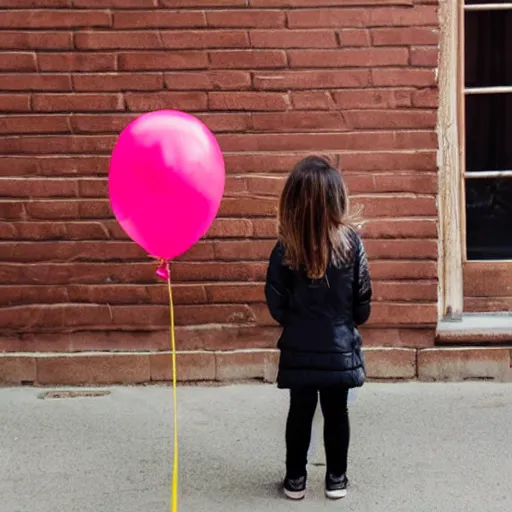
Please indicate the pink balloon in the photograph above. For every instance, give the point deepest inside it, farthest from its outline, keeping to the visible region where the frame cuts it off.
(166, 181)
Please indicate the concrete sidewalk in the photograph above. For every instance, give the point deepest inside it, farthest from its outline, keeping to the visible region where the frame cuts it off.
(416, 448)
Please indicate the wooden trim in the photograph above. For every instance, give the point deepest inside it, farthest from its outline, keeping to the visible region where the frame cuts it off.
(505, 89)
(450, 154)
(487, 174)
(489, 7)
(461, 64)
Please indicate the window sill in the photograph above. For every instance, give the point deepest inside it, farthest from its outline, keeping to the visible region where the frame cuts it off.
(483, 328)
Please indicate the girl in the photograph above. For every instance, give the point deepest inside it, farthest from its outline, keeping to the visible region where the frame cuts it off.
(318, 289)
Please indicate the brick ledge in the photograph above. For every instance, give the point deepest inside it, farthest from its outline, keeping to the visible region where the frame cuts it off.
(105, 368)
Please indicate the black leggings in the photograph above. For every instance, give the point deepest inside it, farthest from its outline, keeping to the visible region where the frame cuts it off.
(303, 402)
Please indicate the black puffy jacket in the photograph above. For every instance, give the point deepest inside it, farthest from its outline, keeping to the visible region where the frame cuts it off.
(320, 344)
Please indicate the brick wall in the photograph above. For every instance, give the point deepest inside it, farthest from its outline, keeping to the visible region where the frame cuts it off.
(276, 79)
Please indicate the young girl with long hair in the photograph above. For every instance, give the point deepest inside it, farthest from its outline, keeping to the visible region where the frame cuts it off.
(318, 289)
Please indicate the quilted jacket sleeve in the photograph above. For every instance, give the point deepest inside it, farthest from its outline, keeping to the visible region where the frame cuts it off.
(276, 292)
(362, 286)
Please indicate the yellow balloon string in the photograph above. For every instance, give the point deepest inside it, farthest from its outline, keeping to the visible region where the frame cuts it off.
(174, 493)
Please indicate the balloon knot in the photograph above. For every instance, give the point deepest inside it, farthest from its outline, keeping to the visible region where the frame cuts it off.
(163, 270)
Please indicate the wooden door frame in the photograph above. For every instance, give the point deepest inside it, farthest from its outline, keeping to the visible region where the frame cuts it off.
(450, 131)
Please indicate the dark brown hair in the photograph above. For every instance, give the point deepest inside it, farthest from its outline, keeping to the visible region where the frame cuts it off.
(314, 222)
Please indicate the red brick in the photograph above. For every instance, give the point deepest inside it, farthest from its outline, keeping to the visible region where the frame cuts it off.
(293, 39)
(248, 101)
(265, 185)
(118, 4)
(101, 123)
(265, 228)
(117, 40)
(116, 82)
(12, 211)
(189, 101)
(159, 19)
(403, 314)
(405, 291)
(20, 165)
(384, 119)
(399, 228)
(401, 337)
(398, 270)
(17, 370)
(218, 271)
(210, 314)
(413, 182)
(218, 122)
(328, 3)
(426, 98)
(262, 163)
(299, 121)
(426, 56)
(77, 102)
(240, 365)
(35, 82)
(35, 187)
(390, 363)
(76, 61)
(233, 293)
(68, 209)
(247, 59)
(419, 15)
(73, 165)
(14, 102)
(56, 231)
(464, 363)
(312, 100)
(391, 161)
(335, 18)
(75, 251)
(415, 77)
(191, 366)
(247, 206)
(49, 144)
(203, 3)
(354, 37)
(325, 142)
(158, 61)
(33, 124)
(18, 295)
(208, 80)
(205, 39)
(18, 61)
(54, 19)
(318, 79)
(397, 206)
(23, 4)
(36, 40)
(402, 249)
(144, 273)
(405, 36)
(93, 369)
(353, 57)
(372, 98)
(252, 18)
(230, 228)
(243, 250)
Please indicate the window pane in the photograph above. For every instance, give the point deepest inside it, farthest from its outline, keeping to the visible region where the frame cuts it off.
(489, 132)
(488, 51)
(489, 218)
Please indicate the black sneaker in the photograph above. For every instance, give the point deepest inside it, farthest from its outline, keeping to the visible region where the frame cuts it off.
(336, 486)
(295, 488)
